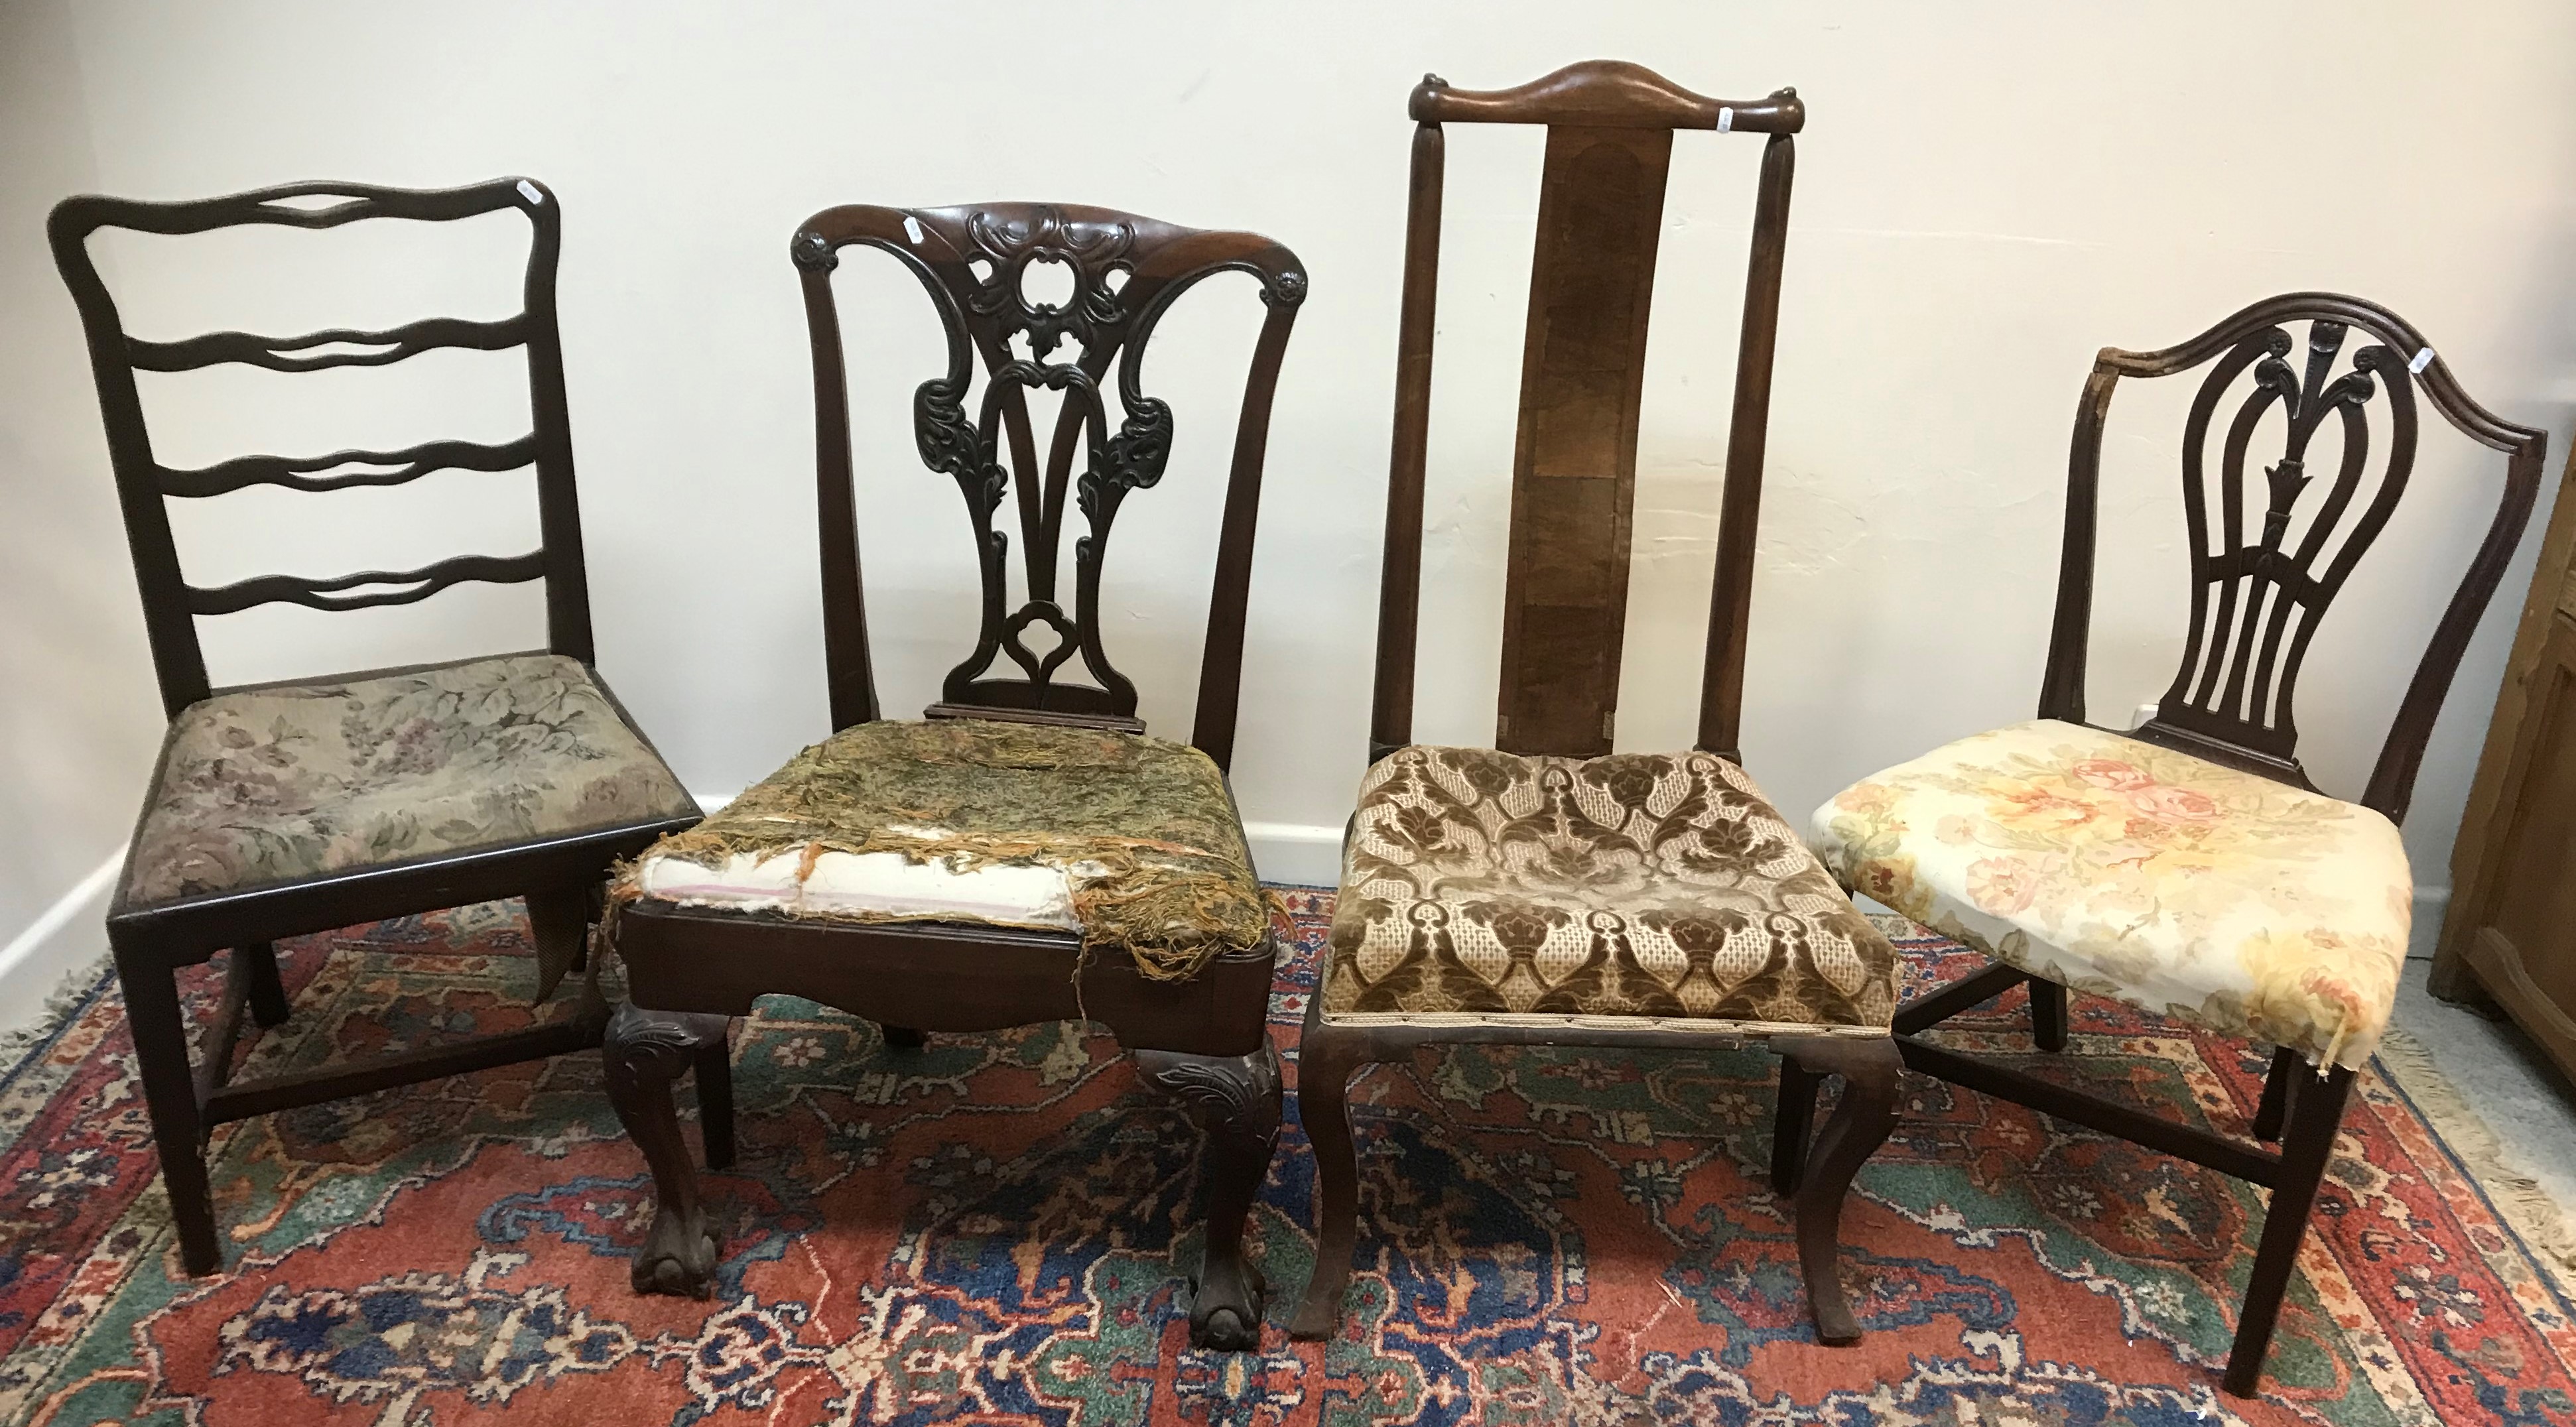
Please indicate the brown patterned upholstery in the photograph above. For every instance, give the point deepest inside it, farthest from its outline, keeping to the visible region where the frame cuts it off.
(1495, 887)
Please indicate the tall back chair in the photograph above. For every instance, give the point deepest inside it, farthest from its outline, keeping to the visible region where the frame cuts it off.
(290, 808)
(1546, 890)
(1610, 133)
(2188, 866)
(1025, 853)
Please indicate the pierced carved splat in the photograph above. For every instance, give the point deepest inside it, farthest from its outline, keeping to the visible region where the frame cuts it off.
(2257, 598)
(976, 264)
(2274, 535)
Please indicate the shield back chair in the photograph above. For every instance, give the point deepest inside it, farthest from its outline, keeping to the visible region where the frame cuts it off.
(283, 809)
(2188, 866)
(1547, 891)
(1025, 852)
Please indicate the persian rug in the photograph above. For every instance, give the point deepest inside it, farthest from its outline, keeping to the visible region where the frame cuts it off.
(996, 1229)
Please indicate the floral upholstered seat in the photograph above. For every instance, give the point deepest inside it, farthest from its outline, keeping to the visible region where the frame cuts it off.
(1133, 841)
(2123, 868)
(1498, 888)
(272, 784)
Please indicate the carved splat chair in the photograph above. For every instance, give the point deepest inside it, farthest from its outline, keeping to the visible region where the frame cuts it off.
(1546, 890)
(2188, 866)
(283, 809)
(1026, 853)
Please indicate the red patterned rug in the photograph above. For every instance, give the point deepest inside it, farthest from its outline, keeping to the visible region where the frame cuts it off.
(987, 1232)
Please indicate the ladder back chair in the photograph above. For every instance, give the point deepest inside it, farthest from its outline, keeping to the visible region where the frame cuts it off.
(282, 809)
(2188, 866)
(1025, 852)
(1546, 890)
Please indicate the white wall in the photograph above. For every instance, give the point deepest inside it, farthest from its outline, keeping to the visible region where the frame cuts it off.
(1986, 194)
(78, 718)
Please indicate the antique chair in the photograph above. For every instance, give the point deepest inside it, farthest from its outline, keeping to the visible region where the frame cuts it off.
(2188, 866)
(1548, 891)
(1026, 853)
(282, 809)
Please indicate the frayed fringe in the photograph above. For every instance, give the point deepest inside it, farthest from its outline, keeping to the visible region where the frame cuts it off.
(2531, 1210)
(61, 1004)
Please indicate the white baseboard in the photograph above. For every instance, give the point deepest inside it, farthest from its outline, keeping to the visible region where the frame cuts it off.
(69, 936)
(1299, 854)
(2431, 905)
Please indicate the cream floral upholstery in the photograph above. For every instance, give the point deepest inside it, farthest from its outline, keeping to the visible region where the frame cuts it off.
(1493, 888)
(2122, 868)
(268, 785)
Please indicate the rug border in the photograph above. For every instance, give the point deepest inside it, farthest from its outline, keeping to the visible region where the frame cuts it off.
(2522, 1205)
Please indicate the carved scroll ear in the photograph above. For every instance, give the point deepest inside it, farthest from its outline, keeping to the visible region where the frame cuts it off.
(812, 252)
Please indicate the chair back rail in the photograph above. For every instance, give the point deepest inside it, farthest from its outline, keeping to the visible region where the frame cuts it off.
(171, 605)
(1127, 271)
(2257, 595)
(1610, 130)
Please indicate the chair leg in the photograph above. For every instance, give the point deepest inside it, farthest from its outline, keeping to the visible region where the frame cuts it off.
(645, 1052)
(1792, 1127)
(2279, 1086)
(1238, 1099)
(2048, 1014)
(2307, 1145)
(904, 1038)
(559, 923)
(1858, 1126)
(713, 1067)
(154, 1017)
(1326, 1059)
(267, 988)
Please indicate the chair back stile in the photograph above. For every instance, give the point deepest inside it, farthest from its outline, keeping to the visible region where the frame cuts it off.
(171, 605)
(2257, 596)
(1610, 130)
(1127, 271)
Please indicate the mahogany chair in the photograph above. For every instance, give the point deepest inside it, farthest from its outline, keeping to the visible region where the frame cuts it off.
(2188, 866)
(1547, 891)
(282, 809)
(1026, 853)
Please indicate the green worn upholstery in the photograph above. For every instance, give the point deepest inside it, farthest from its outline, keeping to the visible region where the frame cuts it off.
(1138, 837)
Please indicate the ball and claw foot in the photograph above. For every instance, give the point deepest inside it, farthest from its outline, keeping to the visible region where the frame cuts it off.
(1237, 1099)
(678, 1256)
(1225, 1308)
(644, 1052)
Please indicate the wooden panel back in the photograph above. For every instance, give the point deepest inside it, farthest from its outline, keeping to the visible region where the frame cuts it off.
(1574, 473)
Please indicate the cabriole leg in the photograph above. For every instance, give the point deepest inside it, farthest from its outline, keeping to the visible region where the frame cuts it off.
(1858, 1126)
(1238, 1099)
(1326, 1060)
(646, 1051)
